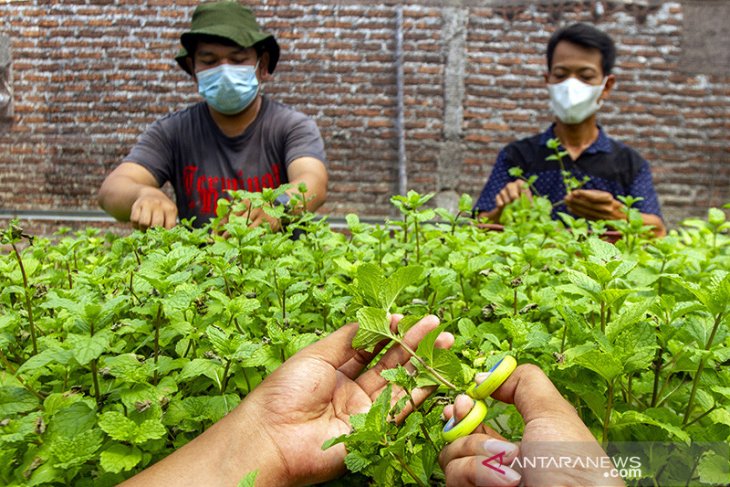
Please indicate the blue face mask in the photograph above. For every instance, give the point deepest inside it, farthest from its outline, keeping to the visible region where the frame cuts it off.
(229, 89)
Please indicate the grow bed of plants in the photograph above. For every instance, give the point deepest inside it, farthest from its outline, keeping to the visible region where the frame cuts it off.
(116, 350)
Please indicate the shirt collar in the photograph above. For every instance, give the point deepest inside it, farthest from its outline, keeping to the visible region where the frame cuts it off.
(602, 143)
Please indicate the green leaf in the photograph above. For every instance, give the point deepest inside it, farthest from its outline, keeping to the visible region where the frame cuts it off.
(199, 366)
(585, 284)
(86, 348)
(714, 469)
(47, 356)
(447, 363)
(298, 342)
(121, 428)
(249, 480)
(622, 419)
(376, 418)
(355, 462)
(629, 315)
(15, 400)
(374, 327)
(73, 420)
(370, 280)
(602, 363)
(120, 458)
(117, 426)
(399, 280)
(602, 250)
(70, 452)
(426, 345)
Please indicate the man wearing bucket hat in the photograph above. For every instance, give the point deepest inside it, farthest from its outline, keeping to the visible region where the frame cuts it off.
(236, 139)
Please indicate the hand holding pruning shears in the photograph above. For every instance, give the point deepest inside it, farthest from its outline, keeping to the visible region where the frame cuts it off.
(479, 391)
(552, 430)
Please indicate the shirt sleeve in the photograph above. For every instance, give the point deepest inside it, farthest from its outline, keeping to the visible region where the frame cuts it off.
(304, 140)
(498, 179)
(153, 152)
(642, 186)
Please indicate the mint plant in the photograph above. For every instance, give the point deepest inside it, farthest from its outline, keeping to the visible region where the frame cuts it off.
(143, 341)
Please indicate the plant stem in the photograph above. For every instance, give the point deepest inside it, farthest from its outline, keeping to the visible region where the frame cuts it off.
(248, 382)
(430, 369)
(28, 303)
(657, 372)
(95, 379)
(700, 368)
(702, 415)
(603, 316)
(224, 382)
(408, 469)
(607, 416)
(68, 272)
(157, 339)
(418, 243)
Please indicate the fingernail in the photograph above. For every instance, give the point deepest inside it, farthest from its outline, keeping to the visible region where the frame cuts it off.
(496, 447)
(481, 377)
(510, 475)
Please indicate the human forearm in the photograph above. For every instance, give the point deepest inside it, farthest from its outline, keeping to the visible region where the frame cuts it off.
(118, 193)
(312, 173)
(315, 196)
(131, 193)
(221, 456)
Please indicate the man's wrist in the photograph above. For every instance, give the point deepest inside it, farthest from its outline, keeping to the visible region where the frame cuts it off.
(256, 450)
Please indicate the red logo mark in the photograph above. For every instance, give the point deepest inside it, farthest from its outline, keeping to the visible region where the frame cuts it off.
(500, 457)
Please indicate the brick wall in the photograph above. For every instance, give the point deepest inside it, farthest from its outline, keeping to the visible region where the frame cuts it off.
(90, 75)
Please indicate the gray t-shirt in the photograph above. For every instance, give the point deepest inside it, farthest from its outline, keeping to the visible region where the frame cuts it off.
(188, 149)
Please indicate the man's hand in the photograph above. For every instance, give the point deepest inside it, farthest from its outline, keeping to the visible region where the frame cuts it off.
(511, 192)
(279, 428)
(153, 209)
(593, 204)
(258, 216)
(553, 430)
(310, 398)
(254, 216)
(131, 193)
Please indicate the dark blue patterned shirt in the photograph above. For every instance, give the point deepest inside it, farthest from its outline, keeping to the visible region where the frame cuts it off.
(611, 166)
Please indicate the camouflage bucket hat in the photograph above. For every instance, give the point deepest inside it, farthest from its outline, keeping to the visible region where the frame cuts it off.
(229, 20)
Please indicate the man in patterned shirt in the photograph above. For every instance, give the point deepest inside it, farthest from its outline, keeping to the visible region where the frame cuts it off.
(579, 60)
(235, 139)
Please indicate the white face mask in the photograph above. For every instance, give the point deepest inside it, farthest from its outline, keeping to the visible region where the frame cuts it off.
(572, 101)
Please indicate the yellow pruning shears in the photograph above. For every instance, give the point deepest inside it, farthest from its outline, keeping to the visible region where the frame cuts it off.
(497, 375)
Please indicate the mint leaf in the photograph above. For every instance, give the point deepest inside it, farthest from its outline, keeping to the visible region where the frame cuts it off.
(70, 452)
(399, 280)
(355, 462)
(121, 428)
(369, 282)
(374, 327)
(249, 480)
(120, 458)
(16, 400)
(426, 346)
(714, 469)
(86, 348)
(622, 419)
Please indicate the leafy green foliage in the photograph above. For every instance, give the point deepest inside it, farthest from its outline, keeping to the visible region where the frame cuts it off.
(117, 350)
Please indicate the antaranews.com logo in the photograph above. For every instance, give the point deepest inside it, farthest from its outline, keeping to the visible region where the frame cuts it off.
(640, 463)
